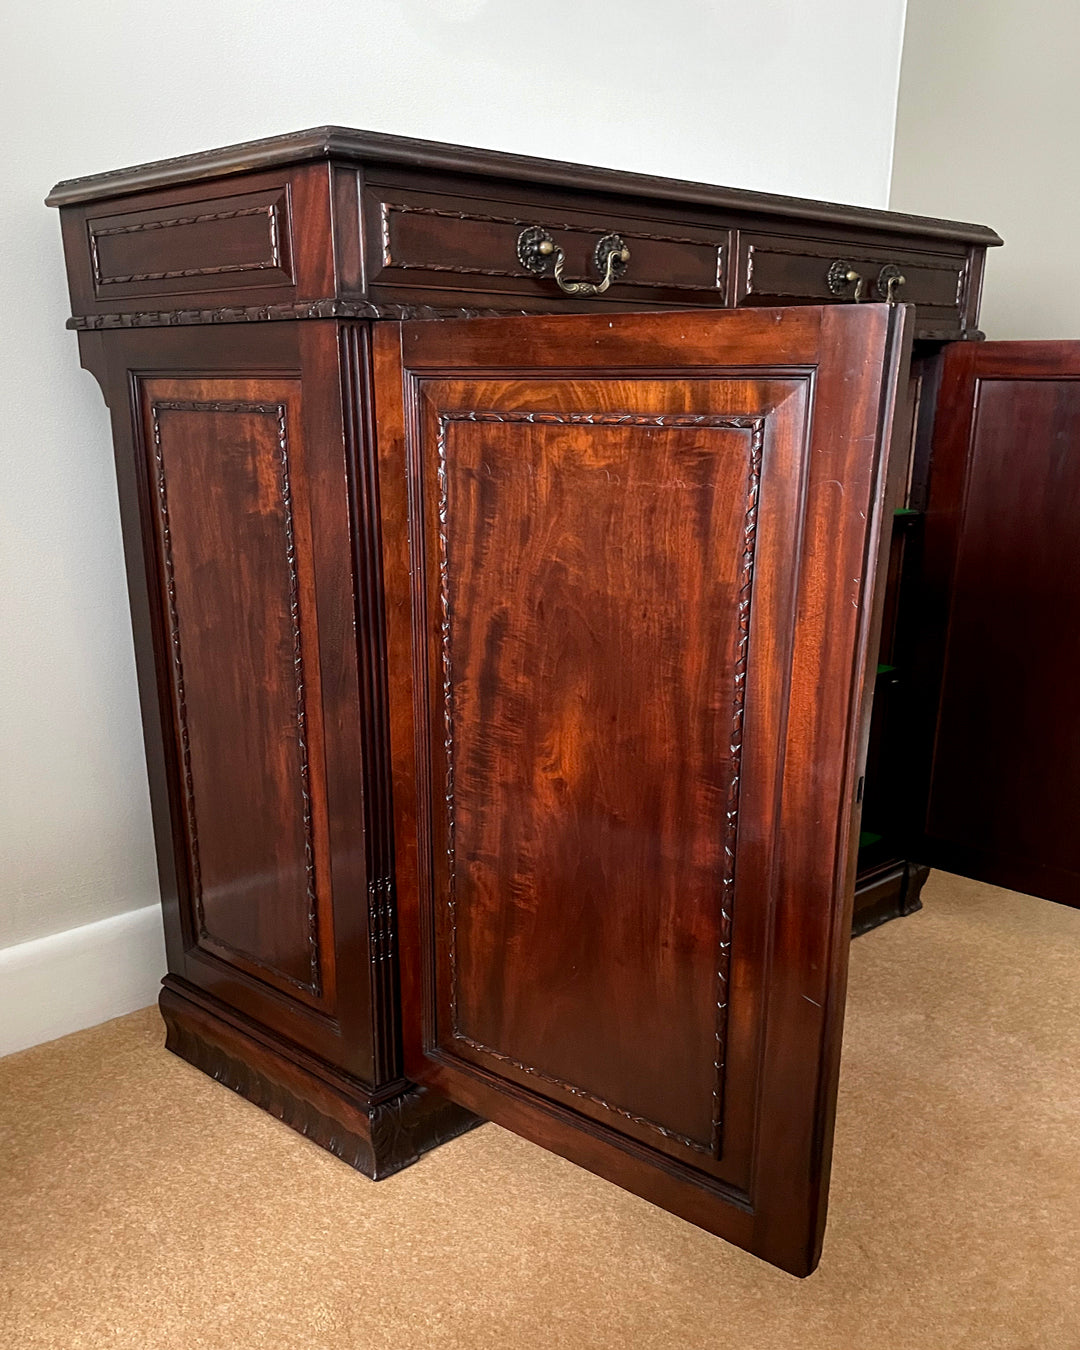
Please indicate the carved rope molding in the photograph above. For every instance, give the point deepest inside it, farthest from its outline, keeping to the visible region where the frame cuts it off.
(387, 208)
(280, 413)
(326, 308)
(269, 210)
(755, 425)
(731, 810)
(198, 157)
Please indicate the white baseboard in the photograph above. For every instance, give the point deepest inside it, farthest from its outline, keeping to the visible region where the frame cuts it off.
(76, 979)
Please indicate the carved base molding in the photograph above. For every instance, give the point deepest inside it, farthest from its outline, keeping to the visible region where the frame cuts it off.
(890, 892)
(378, 1134)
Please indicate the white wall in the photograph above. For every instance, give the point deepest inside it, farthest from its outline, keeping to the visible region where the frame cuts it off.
(792, 96)
(988, 129)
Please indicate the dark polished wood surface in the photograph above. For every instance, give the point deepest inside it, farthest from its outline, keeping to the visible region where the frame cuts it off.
(349, 146)
(254, 619)
(341, 224)
(641, 548)
(228, 303)
(377, 1133)
(1003, 591)
(574, 547)
(238, 590)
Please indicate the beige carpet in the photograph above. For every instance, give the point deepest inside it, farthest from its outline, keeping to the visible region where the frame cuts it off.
(144, 1206)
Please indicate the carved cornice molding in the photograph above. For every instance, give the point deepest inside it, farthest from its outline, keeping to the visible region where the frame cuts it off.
(347, 146)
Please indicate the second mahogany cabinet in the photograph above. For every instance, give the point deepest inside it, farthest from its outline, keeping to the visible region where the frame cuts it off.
(516, 551)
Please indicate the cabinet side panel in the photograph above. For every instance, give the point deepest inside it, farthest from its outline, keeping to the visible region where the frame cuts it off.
(1005, 788)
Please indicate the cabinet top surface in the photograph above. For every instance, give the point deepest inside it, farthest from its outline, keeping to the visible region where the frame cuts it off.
(346, 146)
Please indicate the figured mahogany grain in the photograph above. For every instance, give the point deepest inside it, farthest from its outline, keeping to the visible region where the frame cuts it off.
(573, 551)
(635, 623)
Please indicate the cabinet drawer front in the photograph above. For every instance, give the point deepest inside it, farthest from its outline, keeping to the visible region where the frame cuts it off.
(232, 242)
(775, 269)
(458, 244)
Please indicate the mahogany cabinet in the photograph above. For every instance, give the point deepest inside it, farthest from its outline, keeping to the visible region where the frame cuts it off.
(1000, 626)
(516, 552)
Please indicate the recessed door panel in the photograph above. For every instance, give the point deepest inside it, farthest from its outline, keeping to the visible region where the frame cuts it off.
(595, 590)
(227, 478)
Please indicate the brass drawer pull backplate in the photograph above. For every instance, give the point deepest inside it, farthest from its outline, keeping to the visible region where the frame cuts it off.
(537, 251)
(889, 281)
(841, 275)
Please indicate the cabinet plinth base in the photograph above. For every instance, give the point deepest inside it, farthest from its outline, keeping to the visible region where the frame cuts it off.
(378, 1134)
(889, 892)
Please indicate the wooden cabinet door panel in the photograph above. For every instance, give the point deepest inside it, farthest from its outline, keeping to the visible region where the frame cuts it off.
(629, 566)
(1003, 559)
(237, 505)
(235, 558)
(245, 479)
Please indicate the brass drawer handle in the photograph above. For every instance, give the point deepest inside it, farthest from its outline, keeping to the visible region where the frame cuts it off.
(537, 250)
(889, 281)
(840, 276)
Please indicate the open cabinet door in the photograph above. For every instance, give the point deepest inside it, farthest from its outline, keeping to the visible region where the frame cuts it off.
(630, 566)
(1003, 611)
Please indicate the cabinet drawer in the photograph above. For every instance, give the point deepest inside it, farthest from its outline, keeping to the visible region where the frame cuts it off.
(774, 269)
(456, 244)
(229, 242)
